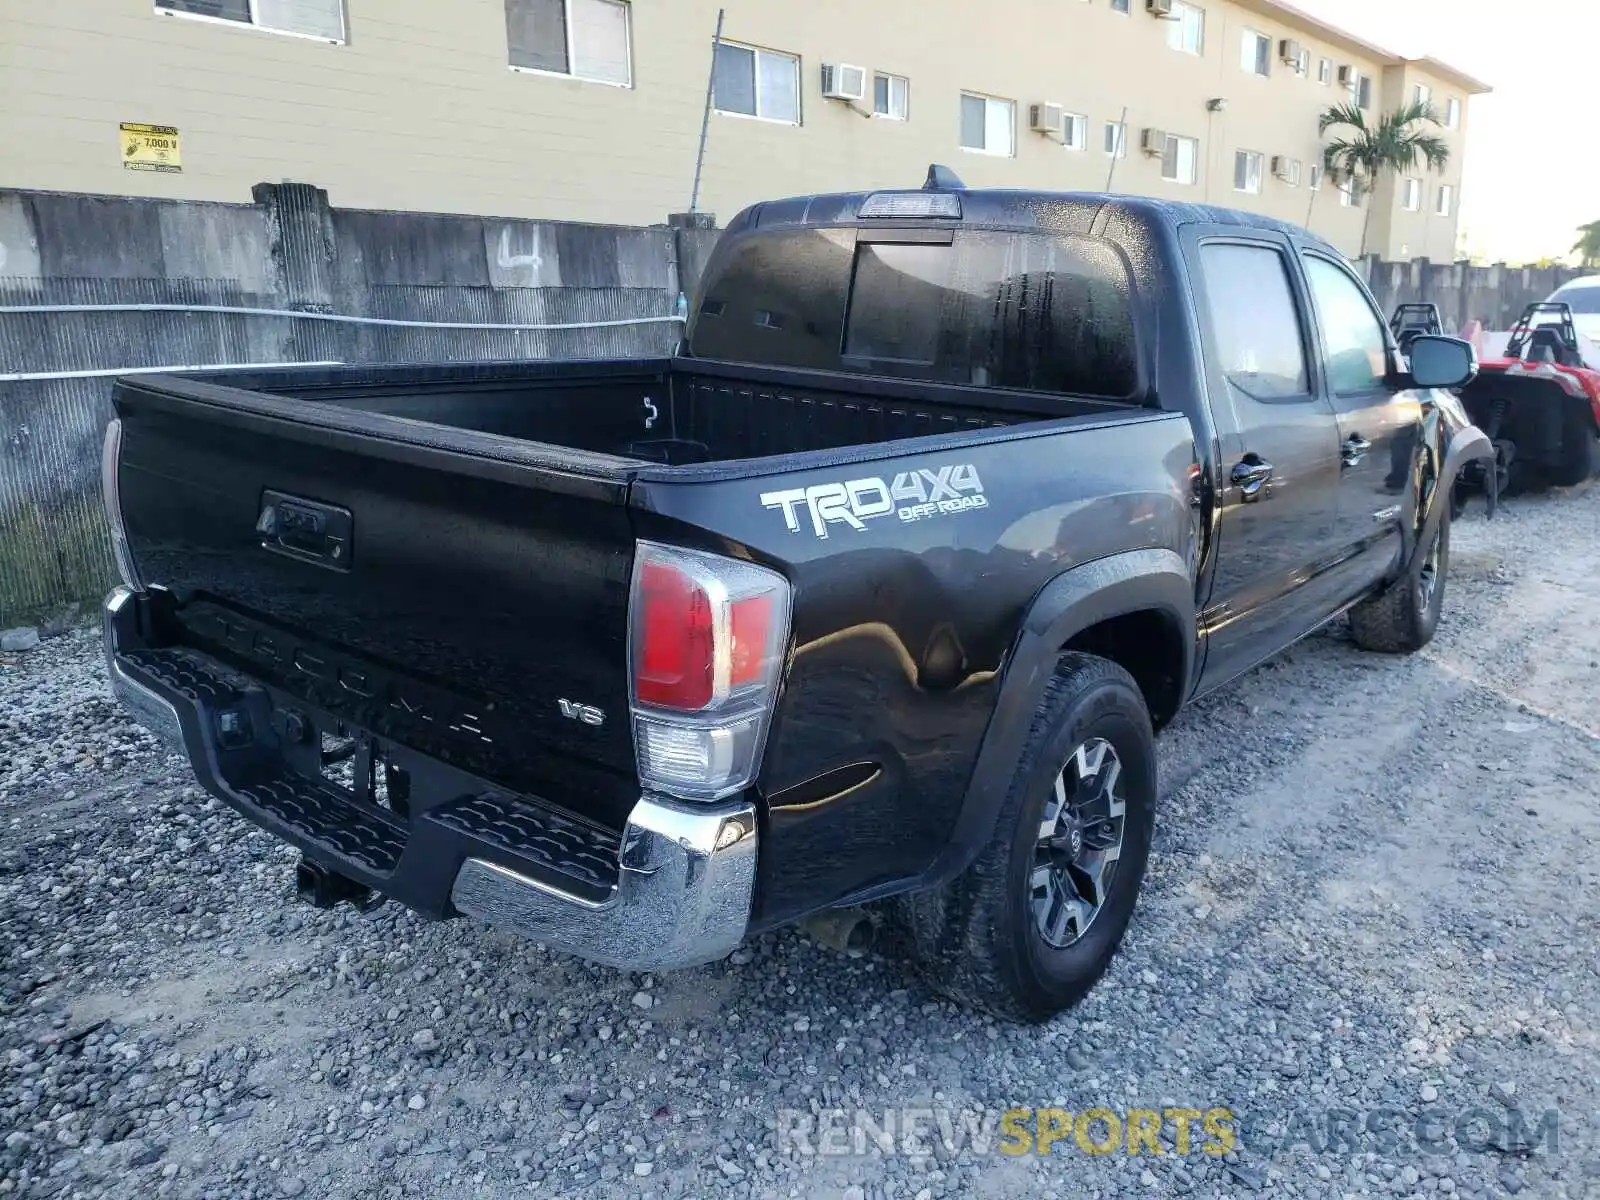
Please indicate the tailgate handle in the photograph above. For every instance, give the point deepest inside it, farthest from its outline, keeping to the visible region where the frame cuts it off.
(308, 530)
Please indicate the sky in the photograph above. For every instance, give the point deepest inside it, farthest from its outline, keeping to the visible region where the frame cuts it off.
(1532, 173)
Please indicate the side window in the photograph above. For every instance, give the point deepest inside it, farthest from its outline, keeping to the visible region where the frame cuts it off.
(1353, 339)
(1254, 320)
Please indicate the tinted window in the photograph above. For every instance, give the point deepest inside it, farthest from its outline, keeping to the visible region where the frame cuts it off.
(1254, 320)
(997, 310)
(1354, 341)
(1582, 299)
(777, 300)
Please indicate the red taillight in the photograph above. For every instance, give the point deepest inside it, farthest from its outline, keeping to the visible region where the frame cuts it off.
(677, 645)
(709, 634)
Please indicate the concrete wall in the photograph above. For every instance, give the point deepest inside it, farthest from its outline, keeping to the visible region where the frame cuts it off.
(289, 250)
(1493, 295)
(419, 109)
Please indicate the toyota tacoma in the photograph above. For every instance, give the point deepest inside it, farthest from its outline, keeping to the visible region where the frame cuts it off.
(877, 587)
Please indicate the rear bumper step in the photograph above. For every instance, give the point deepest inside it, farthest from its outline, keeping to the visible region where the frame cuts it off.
(673, 889)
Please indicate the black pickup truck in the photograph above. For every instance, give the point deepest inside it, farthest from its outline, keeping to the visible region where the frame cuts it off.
(877, 588)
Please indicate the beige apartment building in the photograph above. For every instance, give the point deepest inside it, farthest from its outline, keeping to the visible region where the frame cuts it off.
(591, 110)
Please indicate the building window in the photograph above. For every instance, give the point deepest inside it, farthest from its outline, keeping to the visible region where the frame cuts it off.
(1445, 200)
(1116, 140)
(891, 97)
(988, 126)
(1411, 195)
(1186, 28)
(1255, 53)
(322, 20)
(1349, 193)
(1361, 89)
(1325, 71)
(1452, 113)
(1315, 180)
(1247, 171)
(1302, 64)
(1288, 170)
(586, 39)
(1121, 6)
(1423, 94)
(1179, 159)
(749, 82)
(1075, 131)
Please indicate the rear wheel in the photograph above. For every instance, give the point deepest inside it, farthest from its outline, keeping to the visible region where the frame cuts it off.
(1030, 927)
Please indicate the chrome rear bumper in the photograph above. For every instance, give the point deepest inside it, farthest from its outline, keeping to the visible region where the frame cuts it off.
(685, 877)
(145, 706)
(682, 897)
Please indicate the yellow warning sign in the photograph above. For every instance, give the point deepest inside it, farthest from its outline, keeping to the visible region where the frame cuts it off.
(150, 148)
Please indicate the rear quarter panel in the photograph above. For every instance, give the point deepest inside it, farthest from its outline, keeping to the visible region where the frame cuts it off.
(903, 625)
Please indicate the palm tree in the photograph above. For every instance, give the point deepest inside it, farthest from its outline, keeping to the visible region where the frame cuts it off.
(1587, 247)
(1394, 143)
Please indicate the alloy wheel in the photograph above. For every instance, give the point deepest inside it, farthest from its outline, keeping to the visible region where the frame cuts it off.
(1079, 844)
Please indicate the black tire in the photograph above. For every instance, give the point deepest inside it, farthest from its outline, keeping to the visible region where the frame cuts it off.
(1525, 478)
(978, 938)
(1576, 462)
(1403, 618)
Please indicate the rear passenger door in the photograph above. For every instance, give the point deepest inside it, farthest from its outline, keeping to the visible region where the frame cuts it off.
(1378, 424)
(1278, 453)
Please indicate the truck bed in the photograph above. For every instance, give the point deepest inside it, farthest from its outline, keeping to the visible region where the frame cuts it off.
(673, 412)
(475, 528)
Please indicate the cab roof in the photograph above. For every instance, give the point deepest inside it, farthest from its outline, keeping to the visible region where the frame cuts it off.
(1007, 208)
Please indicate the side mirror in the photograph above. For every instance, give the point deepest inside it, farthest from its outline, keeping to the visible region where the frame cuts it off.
(1442, 362)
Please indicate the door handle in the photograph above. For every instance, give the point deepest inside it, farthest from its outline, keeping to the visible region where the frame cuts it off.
(1354, 450)
(1251, 476)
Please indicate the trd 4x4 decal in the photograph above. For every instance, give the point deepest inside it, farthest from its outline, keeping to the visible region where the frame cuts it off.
(913, 496)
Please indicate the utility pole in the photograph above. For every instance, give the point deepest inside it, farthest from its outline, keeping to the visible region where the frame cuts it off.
(705, 115)
(1120, 148)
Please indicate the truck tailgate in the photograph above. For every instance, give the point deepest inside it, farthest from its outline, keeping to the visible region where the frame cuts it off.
(445, 589)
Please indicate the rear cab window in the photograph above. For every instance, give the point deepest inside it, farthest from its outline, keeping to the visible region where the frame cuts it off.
(1019, 310)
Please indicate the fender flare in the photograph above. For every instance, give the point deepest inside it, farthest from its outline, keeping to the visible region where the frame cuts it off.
(1133, 581)
(1467, 444)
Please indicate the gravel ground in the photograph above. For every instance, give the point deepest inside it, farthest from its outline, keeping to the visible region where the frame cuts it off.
(1375, 900)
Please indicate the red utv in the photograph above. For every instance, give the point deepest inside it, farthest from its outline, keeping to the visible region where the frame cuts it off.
(1538, 402)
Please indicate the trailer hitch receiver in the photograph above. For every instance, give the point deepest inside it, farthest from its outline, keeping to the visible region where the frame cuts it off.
(322, 887)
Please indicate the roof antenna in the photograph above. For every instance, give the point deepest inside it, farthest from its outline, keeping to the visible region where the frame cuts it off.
(941, 179)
